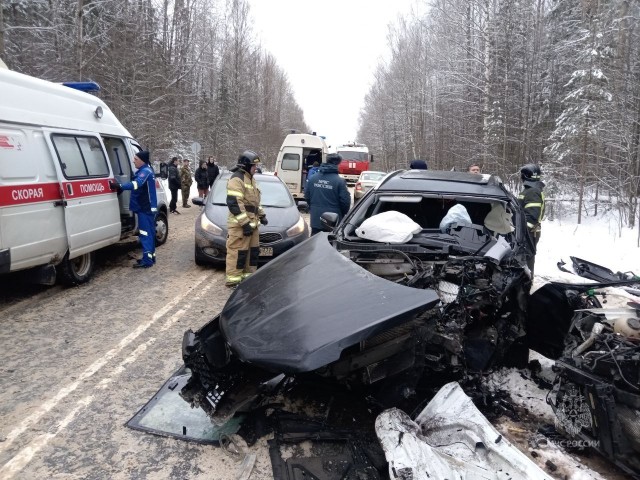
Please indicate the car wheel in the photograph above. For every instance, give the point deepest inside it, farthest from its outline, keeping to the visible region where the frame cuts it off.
(76, 271)
(162, 228)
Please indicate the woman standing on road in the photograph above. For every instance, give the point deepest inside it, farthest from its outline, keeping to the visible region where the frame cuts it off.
(202, 181)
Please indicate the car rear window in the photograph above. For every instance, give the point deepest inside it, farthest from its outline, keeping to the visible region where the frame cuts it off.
(372, 176)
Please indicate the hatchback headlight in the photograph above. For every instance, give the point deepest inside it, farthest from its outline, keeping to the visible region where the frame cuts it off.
(209, 226)
(297, 229)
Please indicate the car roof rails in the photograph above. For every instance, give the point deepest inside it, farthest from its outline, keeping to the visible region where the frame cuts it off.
(83, 86)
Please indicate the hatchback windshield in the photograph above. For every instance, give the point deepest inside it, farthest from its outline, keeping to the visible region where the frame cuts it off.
(273, 193)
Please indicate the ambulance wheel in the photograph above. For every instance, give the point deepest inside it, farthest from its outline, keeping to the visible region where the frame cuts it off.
(76, 271)
(162, 228)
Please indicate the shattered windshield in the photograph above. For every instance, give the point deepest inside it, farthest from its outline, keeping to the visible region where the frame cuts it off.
(168, 414)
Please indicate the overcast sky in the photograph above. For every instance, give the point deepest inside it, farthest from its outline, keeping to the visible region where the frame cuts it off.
(329, 50)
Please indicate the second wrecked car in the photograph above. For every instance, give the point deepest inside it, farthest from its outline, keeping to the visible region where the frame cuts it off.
(377, 315)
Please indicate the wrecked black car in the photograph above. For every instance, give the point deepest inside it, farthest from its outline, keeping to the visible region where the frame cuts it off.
(596, 393)
(372, 314)
(596, 396)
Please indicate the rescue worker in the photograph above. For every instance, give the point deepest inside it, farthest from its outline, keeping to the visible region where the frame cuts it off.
(327, 192)
(185, 182)
(144, 204)
(531, 199)
(313, 170)
(245, 212)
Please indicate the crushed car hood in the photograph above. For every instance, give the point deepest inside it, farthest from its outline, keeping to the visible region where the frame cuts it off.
(300, 311)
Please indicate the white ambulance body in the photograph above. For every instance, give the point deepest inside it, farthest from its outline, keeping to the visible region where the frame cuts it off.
(296, 157)
(59, 150)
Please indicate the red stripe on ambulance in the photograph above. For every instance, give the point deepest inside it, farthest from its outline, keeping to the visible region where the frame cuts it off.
(85, 188)
(21, 194)
(48, 192)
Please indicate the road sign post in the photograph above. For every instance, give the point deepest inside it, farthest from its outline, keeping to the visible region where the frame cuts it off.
(195, 148)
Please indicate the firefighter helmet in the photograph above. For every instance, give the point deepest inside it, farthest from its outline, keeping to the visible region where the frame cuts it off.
(530, 173)
(248, 159)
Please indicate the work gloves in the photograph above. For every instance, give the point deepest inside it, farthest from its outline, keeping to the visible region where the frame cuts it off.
(263, 220)
(247, 230)
(115, 186)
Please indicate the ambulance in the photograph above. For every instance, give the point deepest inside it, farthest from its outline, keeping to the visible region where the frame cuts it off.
(61, 151)
(296, 157)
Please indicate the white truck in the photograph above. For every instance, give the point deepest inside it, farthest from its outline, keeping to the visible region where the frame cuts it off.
(60, 151)
(296, 157)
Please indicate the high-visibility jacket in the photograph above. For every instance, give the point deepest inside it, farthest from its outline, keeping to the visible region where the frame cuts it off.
(531, 199)
(243, 200)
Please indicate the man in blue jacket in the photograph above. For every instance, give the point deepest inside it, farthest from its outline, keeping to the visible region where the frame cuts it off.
(144, 204)
(327, 192)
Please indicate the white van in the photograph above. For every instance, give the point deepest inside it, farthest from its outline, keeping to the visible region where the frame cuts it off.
(60, 150)
(296, 157)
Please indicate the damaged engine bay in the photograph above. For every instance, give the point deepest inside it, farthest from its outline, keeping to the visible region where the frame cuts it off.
(596, 397)
(394, 318)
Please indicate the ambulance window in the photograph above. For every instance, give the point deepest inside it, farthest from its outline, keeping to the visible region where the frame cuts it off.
(93, 156)
(80, 156)
(117, 153)
(290, 161)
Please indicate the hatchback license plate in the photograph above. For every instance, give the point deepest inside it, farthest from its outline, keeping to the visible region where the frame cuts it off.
(266, 251)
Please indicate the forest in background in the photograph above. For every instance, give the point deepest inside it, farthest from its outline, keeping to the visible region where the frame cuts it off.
(173, 71)
(499, 82)
(510, 82)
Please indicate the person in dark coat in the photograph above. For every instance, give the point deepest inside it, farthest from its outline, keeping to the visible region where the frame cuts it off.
(327, 192)
(212, 171)
(202, 179)
(174, 185)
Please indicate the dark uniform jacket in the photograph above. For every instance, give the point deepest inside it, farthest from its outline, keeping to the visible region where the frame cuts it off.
(531, 199)
(327, 192)
(143, 196)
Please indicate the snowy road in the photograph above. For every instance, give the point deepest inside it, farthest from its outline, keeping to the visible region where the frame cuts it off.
(78, 363)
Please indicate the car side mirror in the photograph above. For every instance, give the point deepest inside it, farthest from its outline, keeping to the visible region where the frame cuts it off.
(371, 159)
(198, 201)
(303, 207)
(329, 220)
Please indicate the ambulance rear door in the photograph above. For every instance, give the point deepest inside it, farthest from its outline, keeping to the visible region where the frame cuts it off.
(91, 211)
(289, 169)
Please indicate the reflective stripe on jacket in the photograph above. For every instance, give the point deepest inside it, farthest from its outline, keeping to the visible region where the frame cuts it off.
(531, 199)
(143, 191)
(243, 200)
